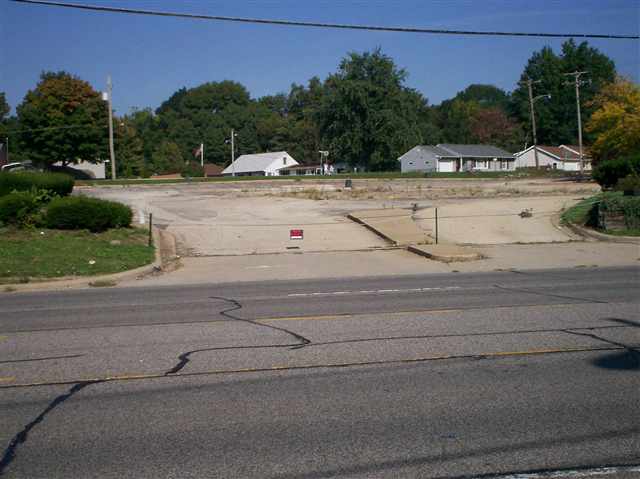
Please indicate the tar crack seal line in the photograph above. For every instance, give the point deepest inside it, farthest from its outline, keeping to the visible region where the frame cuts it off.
(20, 438)
(184, 358)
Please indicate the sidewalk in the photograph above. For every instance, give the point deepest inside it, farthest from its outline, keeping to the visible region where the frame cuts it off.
(273, 267)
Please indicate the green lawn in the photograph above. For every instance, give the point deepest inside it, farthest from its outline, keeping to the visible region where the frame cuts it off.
(578, 213)
(42, 253)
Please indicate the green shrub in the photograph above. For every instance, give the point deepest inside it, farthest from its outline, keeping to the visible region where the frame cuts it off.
(81, 212)
(628, 206)
(57, 183)
(192, 170)
(608, 172)
(23, 208)
(629, 183)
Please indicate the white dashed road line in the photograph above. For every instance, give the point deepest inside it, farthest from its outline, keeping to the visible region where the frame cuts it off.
(371, 291)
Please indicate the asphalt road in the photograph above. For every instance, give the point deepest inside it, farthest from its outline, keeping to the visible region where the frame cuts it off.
(456, 375)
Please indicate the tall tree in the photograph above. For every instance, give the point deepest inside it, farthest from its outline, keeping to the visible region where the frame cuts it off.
(615, 122)
(129, 149)
(368, 116)
(557, 119)
(206, 114)
(492, 126)
(63, 119)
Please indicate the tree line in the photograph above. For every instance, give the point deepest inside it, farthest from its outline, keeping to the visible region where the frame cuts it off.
(364, 114)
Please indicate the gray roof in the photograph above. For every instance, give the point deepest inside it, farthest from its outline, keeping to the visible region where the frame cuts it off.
(474, 151)
(259, 162)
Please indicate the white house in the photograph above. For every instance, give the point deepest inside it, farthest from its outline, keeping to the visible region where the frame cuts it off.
(450, 158)
(563, 157)
(260, 164)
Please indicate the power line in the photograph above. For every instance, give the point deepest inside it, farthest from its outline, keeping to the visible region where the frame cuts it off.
(343, 26)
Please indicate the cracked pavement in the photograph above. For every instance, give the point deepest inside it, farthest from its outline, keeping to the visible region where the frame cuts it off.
(421, 376)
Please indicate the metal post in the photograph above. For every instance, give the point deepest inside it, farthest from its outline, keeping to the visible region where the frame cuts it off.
(8, 160)
(202, 155)
(112, 154)
(150, 229)
(233, 166)
(436, 225)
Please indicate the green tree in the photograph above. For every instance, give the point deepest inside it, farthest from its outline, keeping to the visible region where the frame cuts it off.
(557, 119)
(129, 149)
(368, 116)
(63, 119)
(206, 114)
(4, 107)
(167, 158)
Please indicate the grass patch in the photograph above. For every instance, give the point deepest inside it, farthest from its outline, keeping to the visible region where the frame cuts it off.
(579, 213)
(44, 253)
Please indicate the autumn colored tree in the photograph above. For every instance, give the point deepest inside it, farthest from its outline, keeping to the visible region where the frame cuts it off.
(615, 123)
(63, 119)
(492, 126)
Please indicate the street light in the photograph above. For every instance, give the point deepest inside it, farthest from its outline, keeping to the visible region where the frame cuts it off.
(234, 135)
(529, 82)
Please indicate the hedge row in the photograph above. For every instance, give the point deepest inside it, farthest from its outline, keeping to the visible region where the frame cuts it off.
(80, 212)
(19, 208)
(608, 172)
(627, 206)
(57, 183)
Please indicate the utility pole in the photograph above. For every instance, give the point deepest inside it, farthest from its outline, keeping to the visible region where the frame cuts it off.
(529, 82)
(112, 154)
(578, 83)
(233, 158)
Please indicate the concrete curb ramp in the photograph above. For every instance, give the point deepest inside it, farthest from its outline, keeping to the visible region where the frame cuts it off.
(393, 224)
(397, 226)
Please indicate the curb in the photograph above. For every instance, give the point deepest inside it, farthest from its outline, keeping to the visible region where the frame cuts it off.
(371, 228)
(445, 258)
(596, 235)
(84, 281)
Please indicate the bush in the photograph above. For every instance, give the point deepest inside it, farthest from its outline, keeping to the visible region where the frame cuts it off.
(628, 206)
(608, 172)
(23, 208)
(192, 170)
(629, 183)
(81, 212)
(58, 183)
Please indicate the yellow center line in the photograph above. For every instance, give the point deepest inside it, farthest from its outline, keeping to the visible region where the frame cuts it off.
(330, 317)
(7, 379)
(214, 372)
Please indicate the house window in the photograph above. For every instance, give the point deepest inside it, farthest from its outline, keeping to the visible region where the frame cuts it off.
(481, 164)
(284, 160)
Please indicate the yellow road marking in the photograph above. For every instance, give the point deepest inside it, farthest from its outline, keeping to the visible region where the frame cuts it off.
(330, 317)
(213, 372)
(2, 338)
(7, 379)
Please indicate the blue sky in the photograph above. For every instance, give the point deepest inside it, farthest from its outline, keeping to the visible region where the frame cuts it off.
(150, 57)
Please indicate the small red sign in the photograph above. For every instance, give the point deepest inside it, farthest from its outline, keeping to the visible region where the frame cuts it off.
(296, 234)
